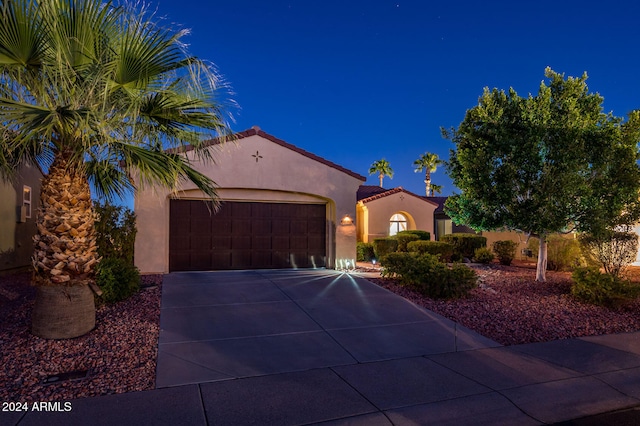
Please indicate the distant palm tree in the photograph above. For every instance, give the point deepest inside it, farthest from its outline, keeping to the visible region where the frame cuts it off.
(436, 189)
(95, 93)
(429, 163)
(383, 169)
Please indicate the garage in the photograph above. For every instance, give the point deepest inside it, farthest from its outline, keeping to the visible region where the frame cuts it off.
(246, 235)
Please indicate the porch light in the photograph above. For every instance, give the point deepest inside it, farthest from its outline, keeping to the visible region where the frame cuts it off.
(346, 220)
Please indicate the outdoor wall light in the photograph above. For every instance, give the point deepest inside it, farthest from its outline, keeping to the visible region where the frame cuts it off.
(346, 220)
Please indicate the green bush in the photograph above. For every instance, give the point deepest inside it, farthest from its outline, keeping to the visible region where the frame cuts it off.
(115, 231)
(592, 286)
(117, 278)
(384, 246)
(505, 250)
(563, 254)
(364, 252)
(483, 255)
(428, 276)
(422, 235)
(404, 239)
(438, 248)
(464, 245)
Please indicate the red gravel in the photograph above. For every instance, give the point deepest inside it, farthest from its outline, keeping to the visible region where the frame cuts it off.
(511, 308)
(119, 354)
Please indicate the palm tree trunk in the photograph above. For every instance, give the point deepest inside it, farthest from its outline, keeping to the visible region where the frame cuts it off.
(381, 176)
(65, 254)
(427, 182)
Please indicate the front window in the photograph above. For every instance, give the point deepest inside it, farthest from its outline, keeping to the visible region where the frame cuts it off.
(26, 200)
(397, 223)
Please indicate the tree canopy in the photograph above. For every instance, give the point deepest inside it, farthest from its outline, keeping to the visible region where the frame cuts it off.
(383, 168)
(553, 162)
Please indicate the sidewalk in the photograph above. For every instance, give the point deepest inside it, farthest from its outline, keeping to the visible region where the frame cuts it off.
(320, 347)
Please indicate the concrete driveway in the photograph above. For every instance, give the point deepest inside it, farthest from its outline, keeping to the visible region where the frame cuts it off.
(226, 325)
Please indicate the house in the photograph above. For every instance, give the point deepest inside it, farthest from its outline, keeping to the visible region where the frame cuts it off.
(20, 202)
(282, 207)
(443, 223)
(384, 212)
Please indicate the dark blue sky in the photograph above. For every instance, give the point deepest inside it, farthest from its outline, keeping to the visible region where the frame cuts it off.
(355, 81)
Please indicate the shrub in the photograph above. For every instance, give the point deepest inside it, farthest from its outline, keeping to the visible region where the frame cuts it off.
(562, 253)
(364, 252)
(591, 286)
(505, 250)
(483, 255)
(115, 231)
(464, 245)
(614, 251)
(384, 246)
(117, 278)
(438, 248)
(422, 235)
(404, 239)
(428, 276)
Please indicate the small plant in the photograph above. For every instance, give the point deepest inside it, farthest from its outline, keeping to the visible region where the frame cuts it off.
(117, 278)
(464, 245)
(384, 246)
(483, 255)
(592, 286)
(505, 251)
(443, 250)
(422, 235)
(364, 252)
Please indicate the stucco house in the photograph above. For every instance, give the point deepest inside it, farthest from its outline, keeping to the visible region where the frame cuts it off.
(384, 212)
(282, 207)
(20, 202)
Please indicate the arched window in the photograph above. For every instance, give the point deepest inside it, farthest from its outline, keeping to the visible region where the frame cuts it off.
(397, 223)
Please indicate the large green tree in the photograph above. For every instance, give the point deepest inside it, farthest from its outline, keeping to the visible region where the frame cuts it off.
(96, 93)
(428, 162)
(553, 162)
(383, 168)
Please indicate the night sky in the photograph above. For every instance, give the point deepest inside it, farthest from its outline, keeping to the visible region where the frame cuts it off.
(356, 81)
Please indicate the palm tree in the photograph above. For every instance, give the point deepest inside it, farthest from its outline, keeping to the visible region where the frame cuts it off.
(95, 94)
(436, 189)
(429, 163)
(383, 169)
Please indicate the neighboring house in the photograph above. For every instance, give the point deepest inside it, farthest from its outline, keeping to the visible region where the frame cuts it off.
(20, 201)
(282, 207)
(443, 223)
(382, 213)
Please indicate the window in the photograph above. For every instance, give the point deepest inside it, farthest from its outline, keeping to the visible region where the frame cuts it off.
(26, 200)
(397, 223)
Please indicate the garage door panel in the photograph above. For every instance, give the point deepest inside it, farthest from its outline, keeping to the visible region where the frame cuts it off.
(246, 235)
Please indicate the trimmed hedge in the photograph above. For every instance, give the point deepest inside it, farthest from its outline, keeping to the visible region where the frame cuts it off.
(364, 252)
(464, 245)
(404, 239)
(428, 276)
(437, 248)
(384, 246)
(505, 250)
(422, 235)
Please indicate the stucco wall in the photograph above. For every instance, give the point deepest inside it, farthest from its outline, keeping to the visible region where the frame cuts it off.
(279, 174)
(374, 215)
(518, 237)
(16, 238)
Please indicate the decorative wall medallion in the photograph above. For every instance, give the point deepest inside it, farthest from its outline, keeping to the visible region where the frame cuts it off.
(257, 156)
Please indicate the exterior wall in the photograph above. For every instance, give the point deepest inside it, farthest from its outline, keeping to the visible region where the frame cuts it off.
(16, 238)
(253, 169)
(375, 215)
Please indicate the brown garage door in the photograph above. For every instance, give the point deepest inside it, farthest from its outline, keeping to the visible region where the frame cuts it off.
(246, 236)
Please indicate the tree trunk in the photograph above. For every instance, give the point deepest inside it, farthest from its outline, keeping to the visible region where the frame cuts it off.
(381, 176)
(65, 253)
(541, 270)
(427, 182)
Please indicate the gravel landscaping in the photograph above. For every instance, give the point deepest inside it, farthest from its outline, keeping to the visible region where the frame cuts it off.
(119, 355)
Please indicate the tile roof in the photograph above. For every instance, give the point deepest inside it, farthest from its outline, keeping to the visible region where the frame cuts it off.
(366, 191)
(255, 130)
(388, 192)
(439, 201)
